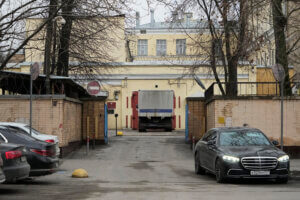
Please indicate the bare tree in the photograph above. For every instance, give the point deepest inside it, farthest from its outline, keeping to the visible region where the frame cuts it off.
(279, 25)
(226, 22)
(53, 4)
(87, 37)
(14, 37)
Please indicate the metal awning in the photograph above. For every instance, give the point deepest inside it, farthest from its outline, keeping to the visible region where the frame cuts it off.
(19, 83)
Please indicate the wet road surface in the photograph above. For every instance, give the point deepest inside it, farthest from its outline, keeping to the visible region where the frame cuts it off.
(142, 166)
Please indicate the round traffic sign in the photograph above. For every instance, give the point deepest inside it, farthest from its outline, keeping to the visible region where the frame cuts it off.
(278, 72)
(93, 87)
(35, 70)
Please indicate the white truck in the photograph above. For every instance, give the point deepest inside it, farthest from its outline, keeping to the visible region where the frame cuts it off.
(155, 109)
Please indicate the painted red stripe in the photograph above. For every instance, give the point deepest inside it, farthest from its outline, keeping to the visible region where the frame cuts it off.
(174, 101)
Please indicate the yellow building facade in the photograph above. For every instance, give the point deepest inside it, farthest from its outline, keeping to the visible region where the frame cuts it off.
(163, 56)
(154, 56)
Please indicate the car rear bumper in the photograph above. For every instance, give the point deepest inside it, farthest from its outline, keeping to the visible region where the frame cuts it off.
(16, 172)
(57, 149)
(2, 176)
(44, 166)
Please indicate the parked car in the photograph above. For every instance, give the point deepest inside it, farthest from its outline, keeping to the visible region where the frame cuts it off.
(240, 153)
(2, 176)
(34, 133)
(15, 165)
(41, 156)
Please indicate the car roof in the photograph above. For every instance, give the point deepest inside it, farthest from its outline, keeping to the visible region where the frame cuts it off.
(12, 124)
(234, 129)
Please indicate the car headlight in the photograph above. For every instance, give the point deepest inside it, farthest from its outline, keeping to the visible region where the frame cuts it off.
(231, 159)
(284, 158)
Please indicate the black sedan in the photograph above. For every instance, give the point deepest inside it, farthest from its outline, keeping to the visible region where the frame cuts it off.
(15, 165)
(2, 176)
(240, 153)
(41, 156)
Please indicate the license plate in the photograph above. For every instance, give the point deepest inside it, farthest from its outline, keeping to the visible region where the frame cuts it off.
(260, 173)
(23, 158)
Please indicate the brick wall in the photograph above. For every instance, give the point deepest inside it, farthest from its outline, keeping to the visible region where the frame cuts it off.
(263, 114)
(93, 112)
(196, 118)
(72, 118)
(56, 115)
(210, 115)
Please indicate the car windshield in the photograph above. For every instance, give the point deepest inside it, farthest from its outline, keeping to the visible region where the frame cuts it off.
(243, 138)
(33, 130)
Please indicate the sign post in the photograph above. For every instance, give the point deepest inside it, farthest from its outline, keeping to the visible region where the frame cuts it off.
(279, 75)
(116, 116)
(34, 74)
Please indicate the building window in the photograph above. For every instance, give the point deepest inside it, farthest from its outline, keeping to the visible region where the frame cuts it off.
(142, 47)
(180, 46)
(161, 47)
(218, 48)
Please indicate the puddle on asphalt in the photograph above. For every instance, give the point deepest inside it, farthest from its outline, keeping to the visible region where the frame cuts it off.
(141, 166)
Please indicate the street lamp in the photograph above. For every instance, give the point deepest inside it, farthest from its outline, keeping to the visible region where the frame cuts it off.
(59, 20)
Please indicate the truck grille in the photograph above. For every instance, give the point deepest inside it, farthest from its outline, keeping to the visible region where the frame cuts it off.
(259, 163)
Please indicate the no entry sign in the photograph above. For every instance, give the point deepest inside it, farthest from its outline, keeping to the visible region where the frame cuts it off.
(93, 87)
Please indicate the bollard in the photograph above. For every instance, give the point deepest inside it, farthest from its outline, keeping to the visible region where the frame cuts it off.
(94, 142)
(87, 145)
(87, 135)
(116, 116)
(96, 132)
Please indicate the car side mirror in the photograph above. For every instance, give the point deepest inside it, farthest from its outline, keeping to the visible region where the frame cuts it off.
(211, 142)
(276, 143)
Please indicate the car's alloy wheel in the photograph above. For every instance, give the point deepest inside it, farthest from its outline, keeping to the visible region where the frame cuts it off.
(198, 168)
(219, 172)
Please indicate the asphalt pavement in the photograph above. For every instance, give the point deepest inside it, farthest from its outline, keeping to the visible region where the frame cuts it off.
(144, 166)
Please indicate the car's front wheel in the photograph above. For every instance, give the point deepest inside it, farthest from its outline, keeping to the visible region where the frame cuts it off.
(220, 177)
(198, 168)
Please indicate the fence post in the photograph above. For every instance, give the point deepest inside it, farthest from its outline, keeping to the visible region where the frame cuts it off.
(96, 131)
(87, 134)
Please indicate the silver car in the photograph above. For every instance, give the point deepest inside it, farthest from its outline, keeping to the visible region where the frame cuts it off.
(2, 176)
(34, 133)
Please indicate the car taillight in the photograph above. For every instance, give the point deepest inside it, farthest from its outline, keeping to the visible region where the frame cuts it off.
(13, 154)
(49, 141)
(42, 152)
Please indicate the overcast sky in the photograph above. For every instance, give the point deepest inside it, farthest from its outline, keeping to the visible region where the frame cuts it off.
(160, 11)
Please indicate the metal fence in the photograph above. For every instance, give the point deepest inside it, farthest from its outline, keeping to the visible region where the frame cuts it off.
(252, 89)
